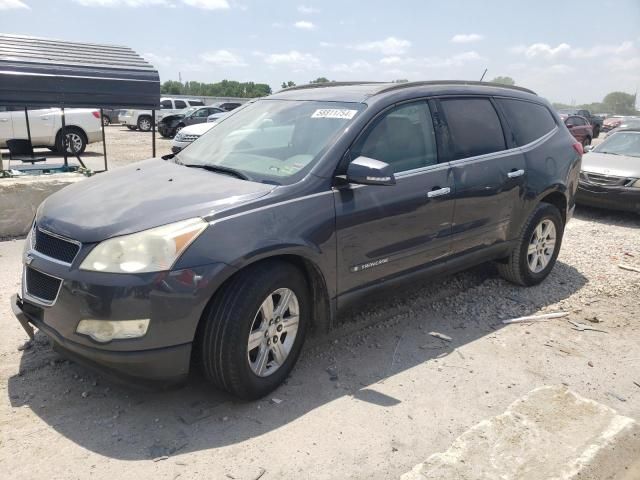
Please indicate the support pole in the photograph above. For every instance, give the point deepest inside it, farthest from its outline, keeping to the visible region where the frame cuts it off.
(153, 132)
(104, 143)
(26, 116)
(64, 139)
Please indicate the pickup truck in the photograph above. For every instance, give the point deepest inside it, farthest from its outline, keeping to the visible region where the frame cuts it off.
(594, 121)
(141, 119)
(82, 126)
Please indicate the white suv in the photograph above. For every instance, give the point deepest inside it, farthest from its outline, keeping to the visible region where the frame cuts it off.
(141, 119)
(82, 126)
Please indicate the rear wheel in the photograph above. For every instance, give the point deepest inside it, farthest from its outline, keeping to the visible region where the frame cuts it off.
(76, 141)
(538, 246)
(144, 123)
(254, 329)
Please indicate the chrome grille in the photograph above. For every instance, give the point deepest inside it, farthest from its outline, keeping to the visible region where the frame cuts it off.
(41, 286)
(189, 138)
(607, 180)
(54, 246)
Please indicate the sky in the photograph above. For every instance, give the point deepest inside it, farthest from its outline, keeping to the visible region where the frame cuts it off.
(567, 51)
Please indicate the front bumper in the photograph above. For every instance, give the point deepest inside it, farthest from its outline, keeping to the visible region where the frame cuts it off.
(613, 198)
(157, 367)
(173, 301)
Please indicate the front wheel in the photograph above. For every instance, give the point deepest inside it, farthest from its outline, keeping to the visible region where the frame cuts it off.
(106, 120)
(537, 249)
(254, 329)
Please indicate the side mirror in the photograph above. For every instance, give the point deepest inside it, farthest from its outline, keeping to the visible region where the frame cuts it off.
(588, 148)
(367, 171)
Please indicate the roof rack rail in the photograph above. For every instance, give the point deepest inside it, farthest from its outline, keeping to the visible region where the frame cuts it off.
(399, 86)
(328, 84)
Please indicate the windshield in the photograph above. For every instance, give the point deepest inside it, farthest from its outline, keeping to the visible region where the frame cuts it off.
(621, 143)
(188, 111)
(272, 141)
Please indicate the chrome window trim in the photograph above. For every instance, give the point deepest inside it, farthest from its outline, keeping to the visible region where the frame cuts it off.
(36, 253)
(32, 298)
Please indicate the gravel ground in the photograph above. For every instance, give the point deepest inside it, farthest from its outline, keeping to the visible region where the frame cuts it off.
(369, 400)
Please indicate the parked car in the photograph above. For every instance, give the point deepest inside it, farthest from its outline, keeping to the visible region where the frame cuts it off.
(215, 117)
(172, 124)
(285, 213)
(610, 176)
(82, 126)
(141, 119)
(580, 129)
(629, 124)
(612, 122)
(228, 106)
(188, 135)
(595, 121)
(110, 115)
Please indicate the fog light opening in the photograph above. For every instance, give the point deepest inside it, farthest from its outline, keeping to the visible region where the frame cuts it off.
(106, 330)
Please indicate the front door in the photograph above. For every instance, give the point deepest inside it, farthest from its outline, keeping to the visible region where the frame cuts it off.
(383, 231)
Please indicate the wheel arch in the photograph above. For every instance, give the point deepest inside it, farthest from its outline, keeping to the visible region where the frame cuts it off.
(559, 200)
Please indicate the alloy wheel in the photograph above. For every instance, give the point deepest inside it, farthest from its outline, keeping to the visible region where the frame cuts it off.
(74, 142)
(273, 332)
(542, 245)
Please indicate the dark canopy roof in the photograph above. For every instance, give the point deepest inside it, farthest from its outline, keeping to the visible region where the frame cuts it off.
(42, 72)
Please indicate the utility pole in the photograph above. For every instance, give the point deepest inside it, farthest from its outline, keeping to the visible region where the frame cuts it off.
(483, 74)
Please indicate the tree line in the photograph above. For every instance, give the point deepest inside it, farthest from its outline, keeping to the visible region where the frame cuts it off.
(225, 88)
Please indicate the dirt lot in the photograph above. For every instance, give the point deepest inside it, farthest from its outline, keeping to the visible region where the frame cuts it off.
(369, 400)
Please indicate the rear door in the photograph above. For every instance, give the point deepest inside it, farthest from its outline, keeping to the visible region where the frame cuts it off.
(489, 175)
(41, 123)
(386, 230)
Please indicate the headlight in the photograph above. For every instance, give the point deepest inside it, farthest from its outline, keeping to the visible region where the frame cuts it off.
(178, 137)
(153, 250)
(105, 330)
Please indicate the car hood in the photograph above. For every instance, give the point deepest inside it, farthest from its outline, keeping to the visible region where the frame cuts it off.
(172, 117)
(608, 164)
(197, 129)
(141, 196)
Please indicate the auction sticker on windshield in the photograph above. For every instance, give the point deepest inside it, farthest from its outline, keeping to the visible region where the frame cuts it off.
(334, 113)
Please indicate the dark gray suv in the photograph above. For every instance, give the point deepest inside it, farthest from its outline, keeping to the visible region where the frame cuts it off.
(293, 206)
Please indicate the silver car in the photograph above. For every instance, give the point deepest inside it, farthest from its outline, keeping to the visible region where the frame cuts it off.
(610, 175)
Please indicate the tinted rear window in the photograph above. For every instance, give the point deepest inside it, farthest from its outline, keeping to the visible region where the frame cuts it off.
(528, 121)
(474, 127)
(196, 103)
(180, 104)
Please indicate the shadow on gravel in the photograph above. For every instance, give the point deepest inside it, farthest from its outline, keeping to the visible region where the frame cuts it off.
(608, 217)
(374, 343)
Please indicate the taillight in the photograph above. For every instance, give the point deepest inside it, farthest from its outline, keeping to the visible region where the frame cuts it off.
(577, 146)
(96, 113)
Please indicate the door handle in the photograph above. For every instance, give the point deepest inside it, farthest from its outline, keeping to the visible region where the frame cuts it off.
(438, 192)
(515, 173)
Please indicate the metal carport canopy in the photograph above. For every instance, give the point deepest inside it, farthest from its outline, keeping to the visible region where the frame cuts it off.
(38, 72)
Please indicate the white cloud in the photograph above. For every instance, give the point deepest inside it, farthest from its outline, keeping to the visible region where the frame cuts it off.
(457, 60)
(327, 44)
(629, 64)
(388, 46)
(307, 10)
(560, 68)
(203, 4)
(546, 51)
(158, 60)
(353, 67)
(542, 50)
(296, 60)
(304, 25)
(602, 50)
(223, 58)
(120, 3)
(466, 38)
(11, 4)
(208, 4)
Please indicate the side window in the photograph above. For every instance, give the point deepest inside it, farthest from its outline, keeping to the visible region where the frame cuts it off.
(196, 103)
(528, 121)
(180, 104)
(203, 112)
(474, 127)
(166, 104)
(403, 137)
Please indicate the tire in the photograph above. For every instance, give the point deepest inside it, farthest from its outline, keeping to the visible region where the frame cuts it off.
(596, 131)
(144, 123)
(75, 135)
(177, 129)
(106, 120)
(132, 127)
(517, 266)
(235, 311)
(586, 141)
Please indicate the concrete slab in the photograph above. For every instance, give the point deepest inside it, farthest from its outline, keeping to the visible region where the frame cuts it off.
(20, 197)
(550, 433)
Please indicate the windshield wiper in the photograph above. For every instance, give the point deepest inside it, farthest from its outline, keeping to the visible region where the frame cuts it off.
(217, 169)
